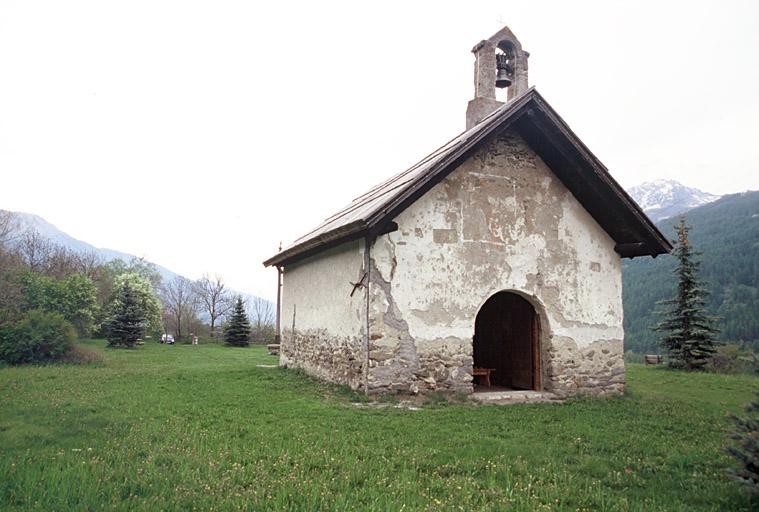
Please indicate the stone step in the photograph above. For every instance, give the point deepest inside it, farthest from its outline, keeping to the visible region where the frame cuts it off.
(514, 397)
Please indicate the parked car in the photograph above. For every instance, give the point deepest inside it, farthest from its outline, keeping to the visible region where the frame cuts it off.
(168, 339)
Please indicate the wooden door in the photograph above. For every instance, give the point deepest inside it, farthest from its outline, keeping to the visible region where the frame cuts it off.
(506, 340)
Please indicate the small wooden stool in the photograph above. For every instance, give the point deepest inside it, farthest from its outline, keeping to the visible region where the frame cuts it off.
(483, 372)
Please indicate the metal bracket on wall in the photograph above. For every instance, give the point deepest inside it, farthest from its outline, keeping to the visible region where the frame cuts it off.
(358, 285)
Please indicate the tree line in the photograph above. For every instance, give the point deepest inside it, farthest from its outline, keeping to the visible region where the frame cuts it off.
(46, 284)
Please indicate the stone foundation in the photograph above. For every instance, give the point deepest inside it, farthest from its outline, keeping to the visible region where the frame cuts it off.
(400, 364)
(332, 358)
(418, 366)
(596, 370)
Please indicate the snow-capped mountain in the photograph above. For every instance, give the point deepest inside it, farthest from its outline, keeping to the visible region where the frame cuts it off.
(661, 199)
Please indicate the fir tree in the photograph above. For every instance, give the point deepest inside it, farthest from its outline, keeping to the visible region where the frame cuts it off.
(237, 330)
(747, 449)
(127, 321)
(689, 337)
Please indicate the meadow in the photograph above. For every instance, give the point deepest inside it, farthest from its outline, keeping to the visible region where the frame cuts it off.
(205, 428)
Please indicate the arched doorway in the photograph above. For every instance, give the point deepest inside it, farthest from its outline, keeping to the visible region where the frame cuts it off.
(507, 341)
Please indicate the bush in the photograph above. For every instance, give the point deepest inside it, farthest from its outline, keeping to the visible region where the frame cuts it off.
(39, 337)
(731, 358)
(78, 354)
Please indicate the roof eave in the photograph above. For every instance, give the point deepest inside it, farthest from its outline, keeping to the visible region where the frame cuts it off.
(661, 245)
(336, 236)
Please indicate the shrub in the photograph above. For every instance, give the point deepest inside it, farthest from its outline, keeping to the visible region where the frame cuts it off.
(39, 337)
(79, 354)
(752, 362)
(730, 358)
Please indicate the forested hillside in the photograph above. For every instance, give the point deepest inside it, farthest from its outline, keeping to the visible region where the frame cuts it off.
(727, 233)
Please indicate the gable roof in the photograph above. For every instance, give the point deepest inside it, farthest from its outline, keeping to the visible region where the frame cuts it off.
(371, 213)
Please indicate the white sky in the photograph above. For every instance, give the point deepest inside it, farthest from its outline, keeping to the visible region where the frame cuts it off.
(200, 134)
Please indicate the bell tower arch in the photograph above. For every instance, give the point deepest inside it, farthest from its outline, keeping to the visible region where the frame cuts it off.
(499, 62)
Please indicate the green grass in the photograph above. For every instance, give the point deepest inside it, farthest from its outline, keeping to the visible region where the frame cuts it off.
(182, 427)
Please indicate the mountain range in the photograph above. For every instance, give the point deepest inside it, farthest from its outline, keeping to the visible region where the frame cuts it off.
(29, 221)
(661, 199)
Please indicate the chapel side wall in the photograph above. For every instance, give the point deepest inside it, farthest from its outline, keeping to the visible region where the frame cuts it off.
(327, 341)
(501, 221)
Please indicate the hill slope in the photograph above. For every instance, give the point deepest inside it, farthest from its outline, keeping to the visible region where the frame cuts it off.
(51, 232)
(726, 231)
(26, 221)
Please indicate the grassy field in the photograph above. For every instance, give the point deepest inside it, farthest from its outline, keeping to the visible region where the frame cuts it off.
(205, 428)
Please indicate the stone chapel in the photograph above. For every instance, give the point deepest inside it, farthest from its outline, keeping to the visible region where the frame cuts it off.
(492, 263)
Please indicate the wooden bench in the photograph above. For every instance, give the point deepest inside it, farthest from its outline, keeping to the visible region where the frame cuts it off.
(483, 372)
(653, 359)
(273, 349)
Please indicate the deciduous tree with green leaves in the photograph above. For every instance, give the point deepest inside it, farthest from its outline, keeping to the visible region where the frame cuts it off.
(688, 332)
(237, 330)
(74, 297)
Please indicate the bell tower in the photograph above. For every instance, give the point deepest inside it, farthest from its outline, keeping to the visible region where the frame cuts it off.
(499, 62)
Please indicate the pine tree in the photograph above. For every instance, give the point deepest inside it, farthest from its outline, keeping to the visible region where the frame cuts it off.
(127, 321)
(747, 449)
(690, 335)
(237, 330)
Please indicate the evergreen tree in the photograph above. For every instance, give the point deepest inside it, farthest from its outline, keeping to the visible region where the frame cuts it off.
(237, 330)
(689, 337)
(747, 449)
(127, 321)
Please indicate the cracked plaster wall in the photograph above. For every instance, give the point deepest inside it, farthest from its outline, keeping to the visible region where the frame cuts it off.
(501, 221)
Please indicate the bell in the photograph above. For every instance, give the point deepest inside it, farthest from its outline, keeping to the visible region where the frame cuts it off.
(503, 71)
(502, 78)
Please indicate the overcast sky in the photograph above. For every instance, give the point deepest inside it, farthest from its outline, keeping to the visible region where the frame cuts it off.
(200, 134)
